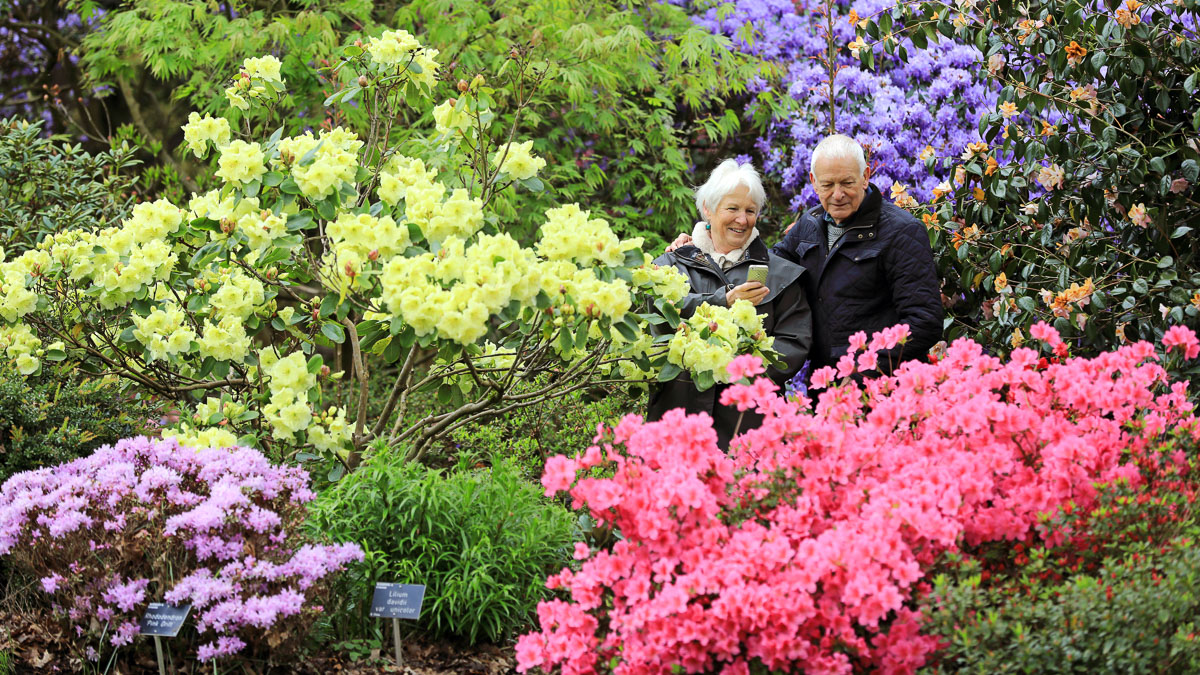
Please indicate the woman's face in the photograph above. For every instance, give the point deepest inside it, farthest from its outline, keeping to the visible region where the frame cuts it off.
(733, 220)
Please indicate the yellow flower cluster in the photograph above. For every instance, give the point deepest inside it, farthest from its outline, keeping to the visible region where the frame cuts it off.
(212, 206)
(447, 119)
(211, 437)
(200, 131)
(400, 174)
(225, 340)
(482, 280)
(238, 297)
(164, 332)
(259, 78)
(591, 295)
(263, 68)
(570, 235)
(458, 216)
(241, 163)
(399, 48)
(393, 47)
(357, 241)
(713, 336)
(16, 300)
(328, 431)
(22, 347)
(261, 228)
(665, 282)
(290, 381)
(333, 165)
(364, 233)
(212, 405)
(518, 160)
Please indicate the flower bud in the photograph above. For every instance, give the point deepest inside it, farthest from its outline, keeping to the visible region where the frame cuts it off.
(363, 81)
(452, 101)
(373, 255)
(228, 225)
(350, 271)
(358, 43)
(514, 54)
(712, 326)
(478, 81)
(324, 371)
(463, 86)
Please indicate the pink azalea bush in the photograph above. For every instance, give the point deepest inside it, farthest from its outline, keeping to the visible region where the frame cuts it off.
(805, 547)
(147, 520)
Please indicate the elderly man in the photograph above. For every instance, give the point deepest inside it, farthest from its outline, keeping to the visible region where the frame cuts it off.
(869, 262)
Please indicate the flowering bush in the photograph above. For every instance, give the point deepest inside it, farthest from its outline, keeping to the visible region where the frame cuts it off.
(145, 520)
(328, 239)
(1076, 206)
(804, 548)
(707, 342)
(904, 111)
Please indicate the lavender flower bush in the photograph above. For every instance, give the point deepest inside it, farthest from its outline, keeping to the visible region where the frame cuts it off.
(904, 111)
(149, 520)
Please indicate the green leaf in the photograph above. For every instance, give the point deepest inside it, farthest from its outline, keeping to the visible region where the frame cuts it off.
(315, 363)
(669, 372)
(334, 332)
(565, 342)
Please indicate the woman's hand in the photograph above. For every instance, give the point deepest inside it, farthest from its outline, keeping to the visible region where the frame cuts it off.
(753, 291)
(681, 240)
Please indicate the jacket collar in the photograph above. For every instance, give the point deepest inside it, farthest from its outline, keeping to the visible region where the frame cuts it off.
(867, 214)
(756, 252)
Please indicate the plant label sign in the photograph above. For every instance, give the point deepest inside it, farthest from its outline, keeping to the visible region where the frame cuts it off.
(163, 620)
(397, 601)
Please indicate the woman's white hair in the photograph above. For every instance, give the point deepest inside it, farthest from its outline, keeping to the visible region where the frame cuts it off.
(725, 179)
(839, 146)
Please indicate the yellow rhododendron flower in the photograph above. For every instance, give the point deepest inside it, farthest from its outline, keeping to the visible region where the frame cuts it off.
(241, 163)
(517, 160)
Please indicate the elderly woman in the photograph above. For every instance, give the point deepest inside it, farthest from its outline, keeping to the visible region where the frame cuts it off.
(717, 262)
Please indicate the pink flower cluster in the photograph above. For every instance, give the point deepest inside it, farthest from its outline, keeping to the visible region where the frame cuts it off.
(802, 550)
(147, 519)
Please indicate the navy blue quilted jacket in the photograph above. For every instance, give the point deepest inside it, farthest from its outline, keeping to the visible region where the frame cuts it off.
(880, 273)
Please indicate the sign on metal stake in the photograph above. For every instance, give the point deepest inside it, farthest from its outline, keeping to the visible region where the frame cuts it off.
(395, 602)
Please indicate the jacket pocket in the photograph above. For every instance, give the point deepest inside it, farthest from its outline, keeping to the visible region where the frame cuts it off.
(857, 273)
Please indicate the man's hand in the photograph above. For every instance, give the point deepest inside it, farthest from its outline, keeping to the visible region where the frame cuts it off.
(753, 291)
(681, 240)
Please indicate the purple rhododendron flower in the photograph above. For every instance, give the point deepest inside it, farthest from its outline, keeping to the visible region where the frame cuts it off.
(221, 521)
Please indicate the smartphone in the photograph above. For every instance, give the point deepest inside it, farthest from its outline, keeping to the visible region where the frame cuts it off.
(757, 273)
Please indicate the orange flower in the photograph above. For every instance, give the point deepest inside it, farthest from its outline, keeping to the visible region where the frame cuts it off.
(852, 18)
(931, 223)
(992, 165)
(1001, 282)
(1075, 53)
(1049, 129)
(979, 194)
(1196, 300)
(1008, 110)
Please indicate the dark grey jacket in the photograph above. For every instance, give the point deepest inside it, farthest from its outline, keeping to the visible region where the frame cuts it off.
(880, 273)
(787, 318)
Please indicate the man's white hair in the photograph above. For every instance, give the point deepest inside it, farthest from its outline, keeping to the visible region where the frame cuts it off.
(725, 179)
(839, 146)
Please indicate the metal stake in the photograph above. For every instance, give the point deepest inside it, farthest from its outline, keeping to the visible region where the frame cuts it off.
(396, 635)
(158, 650)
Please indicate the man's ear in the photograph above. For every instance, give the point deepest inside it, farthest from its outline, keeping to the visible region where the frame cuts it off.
(867, 174)
(811, 180)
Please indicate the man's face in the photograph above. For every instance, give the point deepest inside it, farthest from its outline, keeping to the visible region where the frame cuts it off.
(839, 185)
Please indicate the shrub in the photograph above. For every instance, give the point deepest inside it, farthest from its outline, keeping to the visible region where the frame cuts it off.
(1134, 615)
(804, 548)
(145, 520)
(62, 415)
(47, 187)
(529, 435)
(903, 110)
(1077, 207)
(482, 541)
(329, 240)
